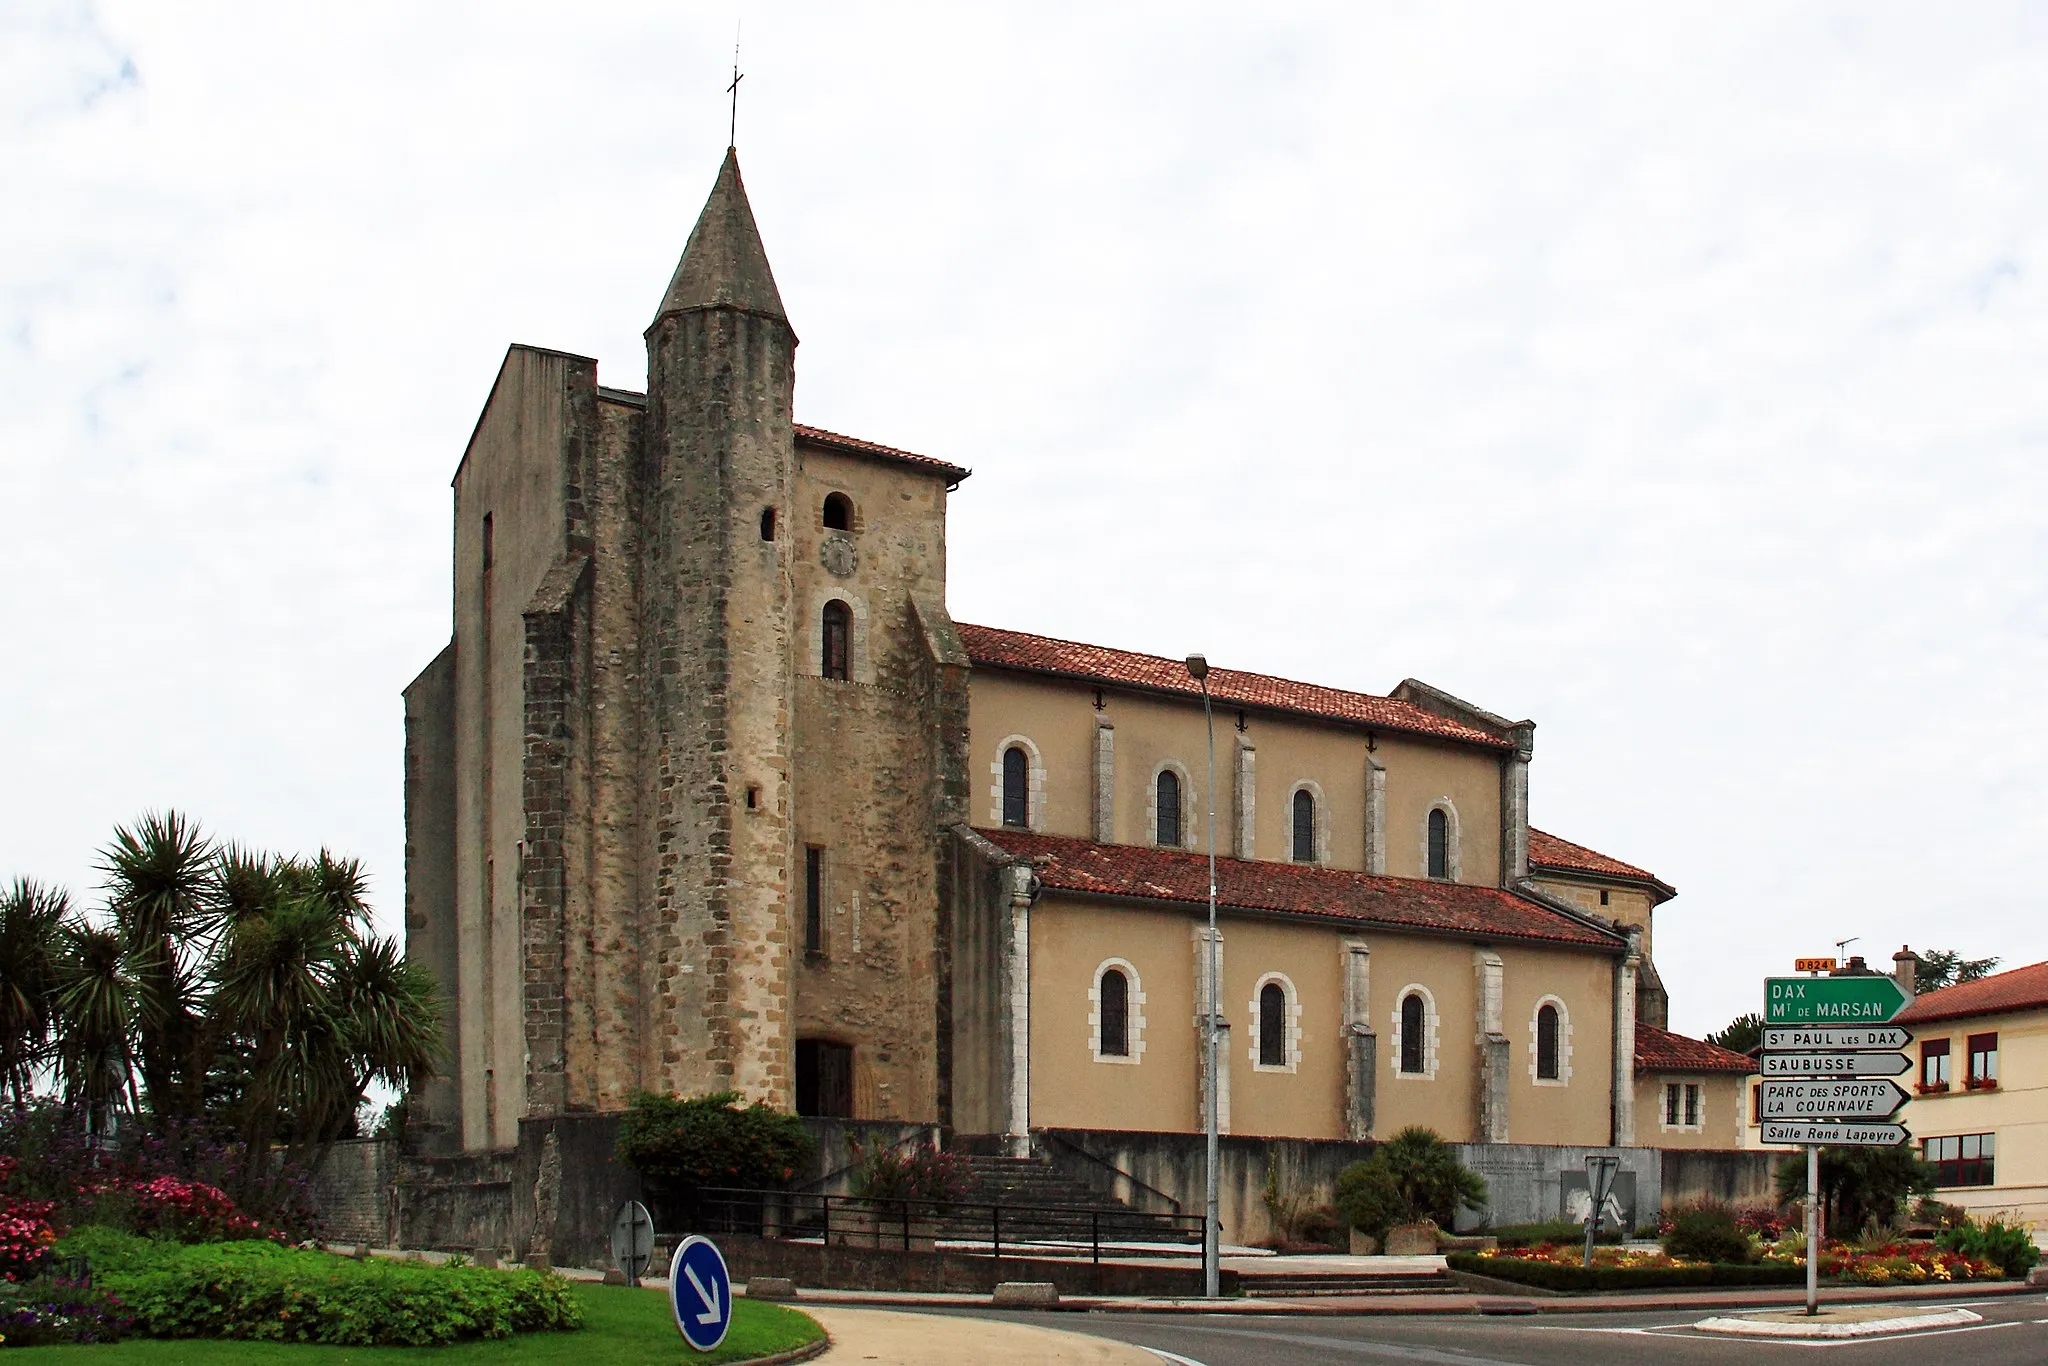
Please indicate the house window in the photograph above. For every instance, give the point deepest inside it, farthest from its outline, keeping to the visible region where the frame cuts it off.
(1114, 1006)
(838, 512)
(1756, 1104)
(1016, 787)
(1546, 1044)
(1692, 1105)
(1961, 1159)
(1983, 1059)
(838, 652)
(1413, 1023)
(1603, 896)
(1682, 1105)
(814, 902)
(1304, 826)
(1272, 1025)
(1168, 832)
(1934, 1072)
(1439, 844)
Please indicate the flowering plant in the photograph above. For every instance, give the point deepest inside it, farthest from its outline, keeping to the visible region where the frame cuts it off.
(25, 1237)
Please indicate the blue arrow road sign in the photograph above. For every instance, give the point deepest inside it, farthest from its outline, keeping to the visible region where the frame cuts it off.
(700, 1292)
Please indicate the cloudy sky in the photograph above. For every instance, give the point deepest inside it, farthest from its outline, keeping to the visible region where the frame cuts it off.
(1672, 376)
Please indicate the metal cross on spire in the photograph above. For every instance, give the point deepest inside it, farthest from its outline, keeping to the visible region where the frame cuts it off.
(733, 128)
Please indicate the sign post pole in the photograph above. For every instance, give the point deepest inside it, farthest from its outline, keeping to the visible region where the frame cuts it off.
(1812, 1229)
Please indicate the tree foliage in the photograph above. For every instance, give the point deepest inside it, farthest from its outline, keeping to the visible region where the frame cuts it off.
(1859, 1187)
(1940, 968)
(712, 1140)
(1412, 1176)
(1740, 1034)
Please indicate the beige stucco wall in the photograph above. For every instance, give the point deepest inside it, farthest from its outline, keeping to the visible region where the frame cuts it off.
(1626, 905)
(1724, 1111)
(1059, 718)
(1072, 938)
(2017, 1112)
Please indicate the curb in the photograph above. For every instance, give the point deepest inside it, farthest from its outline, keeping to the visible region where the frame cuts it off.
(803, 1353)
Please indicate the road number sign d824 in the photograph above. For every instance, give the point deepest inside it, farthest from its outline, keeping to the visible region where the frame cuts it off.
(1831, 1000)
(700, 1292)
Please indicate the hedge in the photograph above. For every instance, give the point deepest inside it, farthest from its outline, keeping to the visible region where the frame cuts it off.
(1551, 1276)
(261, 1291)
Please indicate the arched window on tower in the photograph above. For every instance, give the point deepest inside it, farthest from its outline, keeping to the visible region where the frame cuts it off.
(1115, 1011)
(1546, 1043)
(1016, 788)
(838, 512)
(1413, 1022)
(1272, 1025)
(1168, 832)
(1304, 826)
(837, 655)
(1439, 844)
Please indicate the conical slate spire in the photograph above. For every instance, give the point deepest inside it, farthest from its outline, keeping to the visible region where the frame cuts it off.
(725, 265)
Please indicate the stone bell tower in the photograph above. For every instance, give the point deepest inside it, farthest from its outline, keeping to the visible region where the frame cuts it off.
(716, 654)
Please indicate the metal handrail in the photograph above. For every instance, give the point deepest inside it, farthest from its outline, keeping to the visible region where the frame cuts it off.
(1109, 1166)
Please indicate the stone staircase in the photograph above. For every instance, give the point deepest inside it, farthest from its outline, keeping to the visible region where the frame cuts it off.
(1292, 1283)
(1079, 1210)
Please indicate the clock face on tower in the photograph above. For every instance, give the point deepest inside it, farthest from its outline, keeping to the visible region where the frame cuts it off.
(838, 555)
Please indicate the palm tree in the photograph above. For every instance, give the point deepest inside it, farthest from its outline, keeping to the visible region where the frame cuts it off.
(94, 1022)
(161, 877)
(31, 944)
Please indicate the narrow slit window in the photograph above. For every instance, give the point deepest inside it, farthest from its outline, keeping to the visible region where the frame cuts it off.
(1114, 996)
(1016, 788)
(814, 901)
(1546, 1044)
(1168, 832)
(767, 524)
(1304, 826)
(1439, 844)
(1413, 1021)
(838, 643)
(1272, 1025)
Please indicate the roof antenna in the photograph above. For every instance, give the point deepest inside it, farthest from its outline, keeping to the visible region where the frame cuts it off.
(733, 128)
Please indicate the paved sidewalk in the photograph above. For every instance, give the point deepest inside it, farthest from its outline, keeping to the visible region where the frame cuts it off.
(883, 1337)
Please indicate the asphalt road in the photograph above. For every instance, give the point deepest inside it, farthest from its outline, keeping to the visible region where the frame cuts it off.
(2014, 1333)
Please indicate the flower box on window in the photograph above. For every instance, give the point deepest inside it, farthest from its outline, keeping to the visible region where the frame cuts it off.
(1982, 1083)
(1931, 1088)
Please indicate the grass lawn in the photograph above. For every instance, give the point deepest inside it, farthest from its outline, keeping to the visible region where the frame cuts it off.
(622, 1327)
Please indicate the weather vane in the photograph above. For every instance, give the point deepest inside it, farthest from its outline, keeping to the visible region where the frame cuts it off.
(733, 128)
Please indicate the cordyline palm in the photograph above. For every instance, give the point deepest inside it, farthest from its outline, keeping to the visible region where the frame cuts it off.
(160, 885)
(92, 999)
(32, 918)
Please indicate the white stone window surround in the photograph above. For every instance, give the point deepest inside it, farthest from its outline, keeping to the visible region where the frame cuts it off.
(1034, 788)
(1696, 1085)
(1291, 1049)
(1451, 838)
(1322, 829)
(859, 669)
(1429, 1033)
(1564, 1042)
(1190, 832)
(1134, 1013)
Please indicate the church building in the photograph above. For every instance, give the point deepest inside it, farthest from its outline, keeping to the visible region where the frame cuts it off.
(710, 792)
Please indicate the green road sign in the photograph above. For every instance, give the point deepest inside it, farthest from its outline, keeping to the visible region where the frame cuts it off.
(1831, 1000)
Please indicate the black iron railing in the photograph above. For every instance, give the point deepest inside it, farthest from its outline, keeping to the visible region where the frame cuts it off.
(966, 1227)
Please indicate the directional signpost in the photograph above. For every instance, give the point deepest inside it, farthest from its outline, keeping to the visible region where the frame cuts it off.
(1827, 1062)
(700, 1292)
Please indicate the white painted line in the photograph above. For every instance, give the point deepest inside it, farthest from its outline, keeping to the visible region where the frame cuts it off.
(1175, 1357)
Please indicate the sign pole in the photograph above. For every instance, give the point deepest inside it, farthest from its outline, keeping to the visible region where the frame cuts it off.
(1812, 1229)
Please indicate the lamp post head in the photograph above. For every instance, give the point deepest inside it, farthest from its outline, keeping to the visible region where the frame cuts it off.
(1198, 668)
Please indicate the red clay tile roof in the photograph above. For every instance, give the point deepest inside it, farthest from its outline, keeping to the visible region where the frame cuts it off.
(1129, 870)
(818, 436)
(1659, 1050)
(989, 646)
(2020, 989)
(1548, 851)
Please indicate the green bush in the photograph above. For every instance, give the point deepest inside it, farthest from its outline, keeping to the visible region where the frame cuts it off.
(1411, 1177)
(1859, 1187)
(277, 1294)
(1551, 1231)
(1707, 1232)
(1551, 1276)
(712, 1140)
(2007, 1246)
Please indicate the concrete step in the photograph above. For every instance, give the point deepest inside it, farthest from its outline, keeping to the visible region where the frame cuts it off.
(1346, 1283)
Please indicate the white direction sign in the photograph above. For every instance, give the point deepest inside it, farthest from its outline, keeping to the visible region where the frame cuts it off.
(1847, 1038)
(1832, 1099)
(1835, 1064)
(1836, 1133)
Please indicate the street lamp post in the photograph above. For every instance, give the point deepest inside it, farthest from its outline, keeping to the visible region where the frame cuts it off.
(1212, 1224)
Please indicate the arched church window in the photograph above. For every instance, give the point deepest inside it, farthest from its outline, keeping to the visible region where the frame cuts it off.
(1272, 1025)
(1304, 826)
(838, 652)
(1115, 1008)
(1413, 1023)
(1016, 787)
(1168, 832)
(838, 512)
(1546, 1043)
(1439, 844)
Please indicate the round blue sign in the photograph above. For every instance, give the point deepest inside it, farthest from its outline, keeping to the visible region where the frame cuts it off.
(700, 1292)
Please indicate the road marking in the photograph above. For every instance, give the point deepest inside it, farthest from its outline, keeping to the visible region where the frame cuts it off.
(1352, 1346)
(1175, 1357)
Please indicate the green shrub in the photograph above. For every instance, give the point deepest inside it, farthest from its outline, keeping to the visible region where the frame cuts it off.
(1550, 1231)
(1859, 1187)
(1552, 1276)
(712, 1140)
(2009, 1247)
(1707, 1232)
(1411, 1177)
(270, 1293)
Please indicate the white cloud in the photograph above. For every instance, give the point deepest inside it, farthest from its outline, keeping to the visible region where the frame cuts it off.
(1667, 375)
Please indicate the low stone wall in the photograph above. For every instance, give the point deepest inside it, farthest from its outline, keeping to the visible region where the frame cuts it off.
(456, 1203)
(355, 1192)
(1735, 1176)
(861, 1268)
